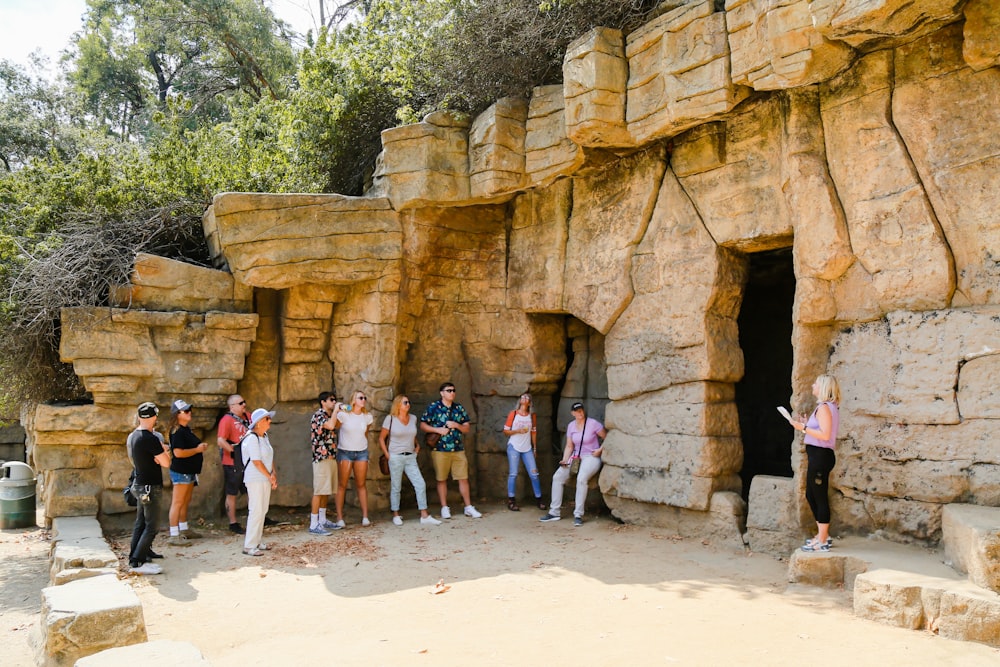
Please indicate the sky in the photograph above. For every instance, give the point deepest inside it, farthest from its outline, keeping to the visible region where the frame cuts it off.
(27, 25)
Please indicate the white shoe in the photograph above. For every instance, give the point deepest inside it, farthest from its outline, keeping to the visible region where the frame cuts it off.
(429, 521)
(340, 524)
(473, 512)
(330, 525)
(365, 522)
(147, 568)
(397, 520)
(445, 512)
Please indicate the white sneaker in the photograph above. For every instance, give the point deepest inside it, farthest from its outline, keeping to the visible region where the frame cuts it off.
(429, 521)
(473, 512)
(147, 568)
(365, 522)
(330, 525)
(340, 524)
(397, 521)
(445, 512)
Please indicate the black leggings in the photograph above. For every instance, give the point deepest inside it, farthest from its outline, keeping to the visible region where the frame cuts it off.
(821, 461)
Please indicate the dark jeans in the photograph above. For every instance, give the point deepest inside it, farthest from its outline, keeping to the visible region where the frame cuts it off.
(146, 523)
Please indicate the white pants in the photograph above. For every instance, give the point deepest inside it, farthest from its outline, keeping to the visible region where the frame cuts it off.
(589, 466)
(258, 500)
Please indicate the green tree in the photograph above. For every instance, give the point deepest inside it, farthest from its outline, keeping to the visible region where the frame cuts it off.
(132, 55)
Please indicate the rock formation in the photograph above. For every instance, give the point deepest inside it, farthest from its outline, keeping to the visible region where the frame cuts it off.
(595, 242)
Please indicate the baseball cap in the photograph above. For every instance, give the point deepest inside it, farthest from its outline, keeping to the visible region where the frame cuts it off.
(147, 410)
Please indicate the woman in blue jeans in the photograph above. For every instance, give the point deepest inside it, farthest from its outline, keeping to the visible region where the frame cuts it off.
(398, 440)
(521, 447)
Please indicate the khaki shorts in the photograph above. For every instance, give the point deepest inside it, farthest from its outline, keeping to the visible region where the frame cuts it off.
(324, 476)
(453, 462)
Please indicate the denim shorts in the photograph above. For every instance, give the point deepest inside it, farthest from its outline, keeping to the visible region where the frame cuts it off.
(345, 455)
(182, 478)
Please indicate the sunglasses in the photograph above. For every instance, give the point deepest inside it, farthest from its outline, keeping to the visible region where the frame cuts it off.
(362, 398)
(449, 391)
(188, 410)
(240, 403)
(405, 402)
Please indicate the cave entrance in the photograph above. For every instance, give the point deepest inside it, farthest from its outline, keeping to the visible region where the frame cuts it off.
(765, 325)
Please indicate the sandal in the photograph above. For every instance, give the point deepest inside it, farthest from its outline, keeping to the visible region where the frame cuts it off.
(512, 505)
(541, 504)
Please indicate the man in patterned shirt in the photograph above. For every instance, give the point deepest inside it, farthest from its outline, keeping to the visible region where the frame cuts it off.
(448, 419)
(324, 450)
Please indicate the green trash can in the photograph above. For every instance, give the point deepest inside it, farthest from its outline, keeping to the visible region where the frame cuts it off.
(17, 495)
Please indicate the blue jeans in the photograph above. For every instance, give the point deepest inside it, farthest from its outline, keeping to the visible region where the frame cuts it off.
(147, 515)
(514, 458)
(398, 464)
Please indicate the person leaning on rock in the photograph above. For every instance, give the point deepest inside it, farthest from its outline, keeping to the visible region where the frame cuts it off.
(149, 455)
(232, 427)
(449, 420)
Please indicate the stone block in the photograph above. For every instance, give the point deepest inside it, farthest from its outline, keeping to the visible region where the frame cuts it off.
(611, 210)
(159, 283)
(548, 151)
(971, 616)
(971, 536)
(977, 398)
(278, 241)
(86, 616)
(496, 148)
(679, 72)
(595, 77)
(895, 598)
(653, 485)
(84, 555)
(303, 382)
(955, 152)
(775, 45)
(772, 525)
(70, 528)
(695, 408)
(981, 34)
(537, 248)
(864, 23)
(893, 229)
(825, 569)
(159, 653)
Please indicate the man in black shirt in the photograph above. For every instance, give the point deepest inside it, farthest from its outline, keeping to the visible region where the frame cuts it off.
(149, 455)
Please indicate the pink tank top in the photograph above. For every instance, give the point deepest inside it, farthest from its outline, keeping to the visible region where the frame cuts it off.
(813, 423)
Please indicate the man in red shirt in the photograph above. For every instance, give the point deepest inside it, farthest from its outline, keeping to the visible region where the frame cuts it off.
(232, 427)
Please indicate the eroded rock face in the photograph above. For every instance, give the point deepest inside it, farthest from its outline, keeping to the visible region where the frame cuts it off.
(593, 243)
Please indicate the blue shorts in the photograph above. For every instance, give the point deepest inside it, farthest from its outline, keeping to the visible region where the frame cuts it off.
(182, 478)
(344, 455)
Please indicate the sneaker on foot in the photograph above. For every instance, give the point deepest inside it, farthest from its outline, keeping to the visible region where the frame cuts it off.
(577, 521)
(340, 524)
(319, 530)
(264, 546)
(146, 568)
(191, 534)
(178, 541)
(365, 522)
(473, 512)
(236, 528)
(397, 521)
(445, 512)
(550, 517)
(253, 551)
(329, 525)
(816, 546)
(429, 521)
(268, 521)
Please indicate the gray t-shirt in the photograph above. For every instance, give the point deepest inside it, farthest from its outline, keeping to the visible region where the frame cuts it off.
(401, 436)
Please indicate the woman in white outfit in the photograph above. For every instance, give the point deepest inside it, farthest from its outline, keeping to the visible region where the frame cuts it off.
(260, 478)
(398, 439)
(584, 441)
(352, 453)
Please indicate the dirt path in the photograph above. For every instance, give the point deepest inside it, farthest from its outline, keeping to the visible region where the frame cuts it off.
(24, 571)
(518, 593)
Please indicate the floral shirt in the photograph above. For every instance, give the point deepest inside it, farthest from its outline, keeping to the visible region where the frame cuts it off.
(324, 441)
(437, 414)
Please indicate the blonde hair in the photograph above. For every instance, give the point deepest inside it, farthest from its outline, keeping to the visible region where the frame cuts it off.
(396, 403)
(531, 402)
(828, 389)
(354, 398)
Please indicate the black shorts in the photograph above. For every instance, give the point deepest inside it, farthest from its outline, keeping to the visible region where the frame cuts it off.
(233, 484)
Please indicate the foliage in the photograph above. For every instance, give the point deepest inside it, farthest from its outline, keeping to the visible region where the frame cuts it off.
(132, 55)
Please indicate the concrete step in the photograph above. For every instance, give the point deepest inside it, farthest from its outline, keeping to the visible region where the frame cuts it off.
(905, 586)
(971, 538)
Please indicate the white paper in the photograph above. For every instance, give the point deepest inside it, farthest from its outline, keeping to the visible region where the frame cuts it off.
(784, 413)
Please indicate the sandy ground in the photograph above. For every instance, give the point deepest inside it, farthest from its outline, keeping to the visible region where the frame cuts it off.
(514, 592)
